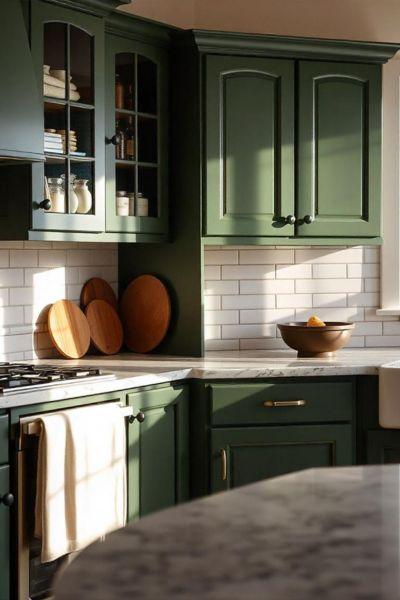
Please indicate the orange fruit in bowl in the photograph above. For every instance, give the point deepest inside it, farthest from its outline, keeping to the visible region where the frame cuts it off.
(315, 321)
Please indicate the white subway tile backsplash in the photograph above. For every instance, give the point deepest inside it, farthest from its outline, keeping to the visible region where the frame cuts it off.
(35, 274)
(221, 257)
(248, 301)
(221, 344)
(212, 272)
(329, 271)
(269, 285)
(269, 256)
(328, 286)
(213, 302)
(221, 317)
(328, 300)
(293, 271)
(282, 286)
(248, 272)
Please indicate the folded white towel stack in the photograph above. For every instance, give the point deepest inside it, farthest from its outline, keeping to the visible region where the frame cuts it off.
(81, 478)
(54, 86)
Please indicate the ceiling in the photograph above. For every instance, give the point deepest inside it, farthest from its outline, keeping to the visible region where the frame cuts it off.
(373, 20)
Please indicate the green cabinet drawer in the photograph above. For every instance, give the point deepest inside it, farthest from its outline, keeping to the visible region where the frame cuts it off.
(3, 438)
(280, 403)
(4, 536)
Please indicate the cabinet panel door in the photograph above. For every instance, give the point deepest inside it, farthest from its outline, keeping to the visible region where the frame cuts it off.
(249, 146)
(158, 450)
(253, 454)
(383, 447)
(4, 536)
(71, 42)
(141, 71)
(339, 149)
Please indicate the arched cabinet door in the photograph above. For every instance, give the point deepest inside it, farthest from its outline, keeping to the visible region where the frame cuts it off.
(339, 150)
(249, 164)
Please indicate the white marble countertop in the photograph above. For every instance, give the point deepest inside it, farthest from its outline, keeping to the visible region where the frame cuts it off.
(322, 533)
(132, 370)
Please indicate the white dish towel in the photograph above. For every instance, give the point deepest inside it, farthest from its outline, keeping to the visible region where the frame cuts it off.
(81, 478)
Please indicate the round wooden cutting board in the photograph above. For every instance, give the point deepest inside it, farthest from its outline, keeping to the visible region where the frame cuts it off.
(98, 289)
(69, 329)
(145, 313)
(105, 327)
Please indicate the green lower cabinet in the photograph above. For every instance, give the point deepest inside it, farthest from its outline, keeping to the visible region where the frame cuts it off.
(247, 454)
(4, 536)
(158, 450)
(383, 447)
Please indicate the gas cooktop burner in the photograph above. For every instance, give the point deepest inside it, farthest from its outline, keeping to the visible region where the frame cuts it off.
(14, 376)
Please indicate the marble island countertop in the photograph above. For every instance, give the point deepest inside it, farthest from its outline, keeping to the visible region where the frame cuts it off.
(322, 533)
(132, 370)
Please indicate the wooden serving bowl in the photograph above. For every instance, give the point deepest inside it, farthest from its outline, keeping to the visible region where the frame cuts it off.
(318, 342)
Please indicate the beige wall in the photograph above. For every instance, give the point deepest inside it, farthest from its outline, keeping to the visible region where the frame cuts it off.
(375, 20)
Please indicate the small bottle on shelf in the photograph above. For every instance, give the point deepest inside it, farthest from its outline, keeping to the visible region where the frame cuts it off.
(130, 97)
(141, 205)
(120, 149)
(119, 92)
(130, 140)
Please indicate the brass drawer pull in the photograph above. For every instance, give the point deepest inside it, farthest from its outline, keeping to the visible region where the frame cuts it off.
(279, 403)
(223, 464)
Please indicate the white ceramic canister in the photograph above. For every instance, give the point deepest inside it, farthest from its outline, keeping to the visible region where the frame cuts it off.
(84, 196)
(141, 206)
(57, 195)
(122, 204)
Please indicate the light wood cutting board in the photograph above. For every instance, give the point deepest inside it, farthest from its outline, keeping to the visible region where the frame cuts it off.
(105, 327)
(69, 329)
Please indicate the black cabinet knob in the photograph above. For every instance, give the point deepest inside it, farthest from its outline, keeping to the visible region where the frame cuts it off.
(7, 499)
(308, 219)
(45, 204)
(114, 140)
(140, 417)
(290, 220)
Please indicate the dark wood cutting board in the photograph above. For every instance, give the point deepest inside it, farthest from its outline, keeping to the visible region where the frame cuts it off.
(145, 313)
(98, 289)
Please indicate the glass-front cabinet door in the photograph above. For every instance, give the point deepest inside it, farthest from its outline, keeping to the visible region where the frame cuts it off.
(136, 157)
(69, 188)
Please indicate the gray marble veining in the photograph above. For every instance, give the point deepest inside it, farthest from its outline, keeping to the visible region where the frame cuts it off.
(323, 533)
(133, 370)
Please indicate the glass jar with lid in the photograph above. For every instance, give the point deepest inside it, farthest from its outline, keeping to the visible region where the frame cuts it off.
(141, 205)
(122, 204)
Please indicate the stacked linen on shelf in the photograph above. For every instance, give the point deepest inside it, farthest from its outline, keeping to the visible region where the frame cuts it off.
(54, 84)
(53, 142)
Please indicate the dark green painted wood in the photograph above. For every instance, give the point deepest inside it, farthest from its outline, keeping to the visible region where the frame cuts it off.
(143, 225)
(256, 453)
(339, 149)
(225, 42)
(4, 439)
(243, 403)
(21, 133)
(290, 241)
(4, 536)
(249, 146)
(180, 263)
(96, 7)
(383, 447)
(43, 12)
(158, 450)
(140, 29)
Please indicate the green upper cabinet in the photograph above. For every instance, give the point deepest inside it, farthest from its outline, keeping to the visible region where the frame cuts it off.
(68, 50)
(249, 146)
(136, 137)
(339, 150)
(158, 449)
